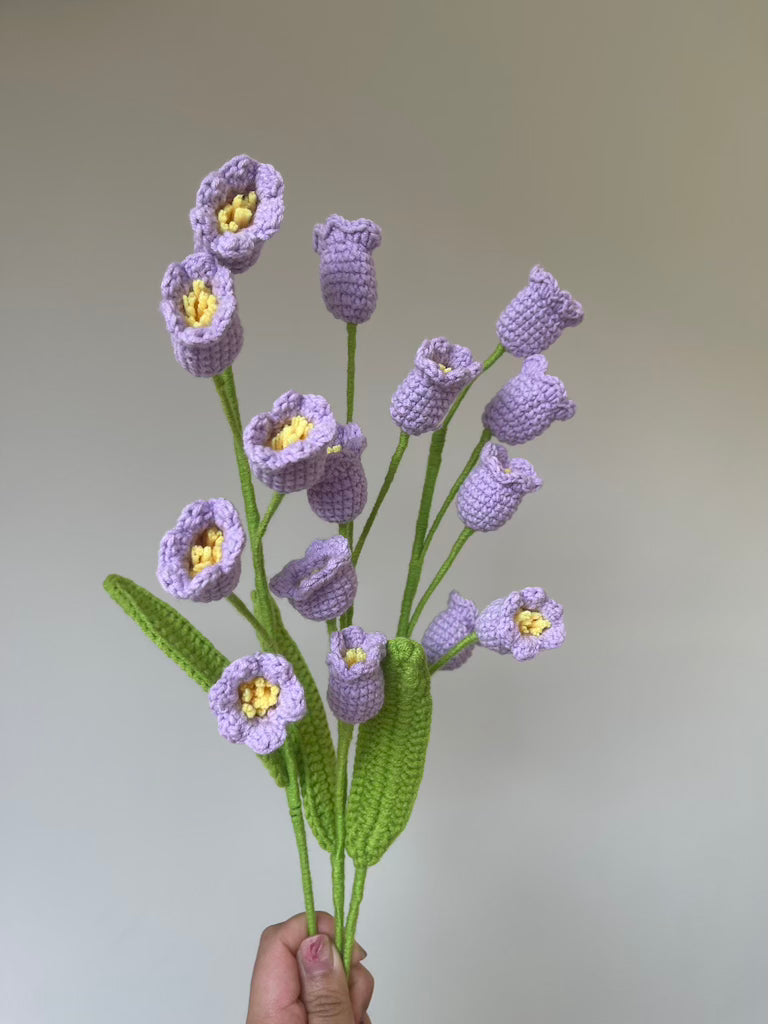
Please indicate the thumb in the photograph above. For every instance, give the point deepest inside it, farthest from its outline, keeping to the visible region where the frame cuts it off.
(324, 988)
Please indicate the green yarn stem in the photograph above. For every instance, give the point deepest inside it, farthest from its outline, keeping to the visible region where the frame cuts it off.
(351, 350)
(331, 625)
(463, 537)
(273, 506)
(297, 819)
(422, 521)
(471, 463)
(466, 642)
(263, 634)
(397, 456)
(337, 861)
(358, 887)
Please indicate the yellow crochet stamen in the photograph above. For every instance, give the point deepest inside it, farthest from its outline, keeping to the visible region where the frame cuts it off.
(354, 656)
(200, 305)
(531, 623)
(257, 697)
(297, 429)
(445, 369)
(238, 213)
(206, 551)
(334, 449)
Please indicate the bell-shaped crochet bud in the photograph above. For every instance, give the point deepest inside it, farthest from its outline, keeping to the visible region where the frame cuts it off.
(527, 404)
(322, 584)
(347, 273)
(441, 371)
(449, 628)
(356, 678)
(490, 495)
(537, 316)
(341, 494)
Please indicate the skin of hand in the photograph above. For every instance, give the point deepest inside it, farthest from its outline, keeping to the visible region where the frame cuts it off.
(300, 980)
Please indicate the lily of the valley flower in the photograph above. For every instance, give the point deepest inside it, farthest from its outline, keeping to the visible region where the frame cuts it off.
(527, 404)
(356, 679)
(441, 371)
(538, 315)
(347, 273)
(199, 558)
(341, 494)
(490, 495)
(322, 584)
(449, 628)
(288, 447)
(522, 624)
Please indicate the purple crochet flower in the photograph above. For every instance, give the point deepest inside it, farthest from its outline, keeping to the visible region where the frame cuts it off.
(356, 687)
(341, 494)
(537, 316)
(255, 700)
(449, 628)
(441, 371)
(200, 557)
(237, 209)
(347, 274)
(200, 311)
(522, 624)
(527, 404)
(323, 583)
(288, 447)
(493, 490)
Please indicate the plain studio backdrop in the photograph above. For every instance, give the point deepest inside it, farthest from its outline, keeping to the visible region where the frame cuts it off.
(589, 843)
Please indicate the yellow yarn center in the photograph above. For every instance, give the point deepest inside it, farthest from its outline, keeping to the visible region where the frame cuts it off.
(199, 305)
(206, 551)
(334, 449)
(257, 697)
(238, 213)
(445, 369)
(354, 656)
(531, 623)
(297, 429)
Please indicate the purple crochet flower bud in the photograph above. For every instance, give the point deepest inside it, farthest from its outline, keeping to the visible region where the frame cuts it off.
(522, 624)
(200, 311)
(449, 628)
(347, 273)
(255, 700)
(288, 447)
(493, 490)
(200, 557)
(341, 494)
(356, 687)
(237, 209)
(441, 371)
(537, 316)
(323, 583)
(527, 404)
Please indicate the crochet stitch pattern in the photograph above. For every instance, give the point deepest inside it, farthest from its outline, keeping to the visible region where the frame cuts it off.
(379, 684)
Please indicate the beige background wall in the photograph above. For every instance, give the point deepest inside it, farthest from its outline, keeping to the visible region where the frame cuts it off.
(589, 844)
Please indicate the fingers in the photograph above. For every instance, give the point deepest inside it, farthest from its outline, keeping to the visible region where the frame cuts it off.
(324, 990)
(291, 933)
(360, 992)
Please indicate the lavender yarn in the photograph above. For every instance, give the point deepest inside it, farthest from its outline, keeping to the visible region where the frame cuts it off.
(449, 628)
(498, 630)
(527, 404)
(174, 565)
(203, 351)
(266, 733)
(322, 584)
(441, 371)
(341, 494)
(302, 464)
(241, 174)
(490, 495)
(347, 273)
(537, 316)
(356, 691)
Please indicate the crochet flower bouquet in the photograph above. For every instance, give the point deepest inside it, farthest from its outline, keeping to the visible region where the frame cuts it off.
(269, 700)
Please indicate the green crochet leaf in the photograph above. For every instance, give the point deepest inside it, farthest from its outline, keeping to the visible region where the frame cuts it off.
(182, 642)
(391, 751)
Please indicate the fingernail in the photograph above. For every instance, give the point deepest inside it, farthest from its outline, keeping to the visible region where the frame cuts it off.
(363, 952)
(315, 955)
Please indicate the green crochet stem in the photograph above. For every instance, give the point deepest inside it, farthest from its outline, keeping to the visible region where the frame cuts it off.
(351, 350)
(358, 887)
(297, 819)
(273, 506)
(262, 633)
(337, 861)
(397, 456)
(471, 463)
(463, 537)
(466, 642)
(331, 625)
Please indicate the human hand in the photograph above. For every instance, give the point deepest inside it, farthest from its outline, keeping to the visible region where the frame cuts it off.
(301, 980)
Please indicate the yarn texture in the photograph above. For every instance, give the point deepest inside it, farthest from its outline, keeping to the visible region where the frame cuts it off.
(356, 678)
(527, 404)
(449, 628)
(300, 463)
(341, 494)
(538, 315)
(347, 273)
(490, 495)
(441, 371)
(322, 584)
(216, 581)
(508, 627)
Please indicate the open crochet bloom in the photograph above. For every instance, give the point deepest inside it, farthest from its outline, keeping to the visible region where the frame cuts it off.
(255, 700)
(341, 494)
(449, 628)
(522, 624)
(527, 404)
(323, 583)
(237, 209)
(537, 316)
(200, 557)
(441, 371)
(347, 273)
(200, 311)
(356, 686)
(490, 495)
(288, 447)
